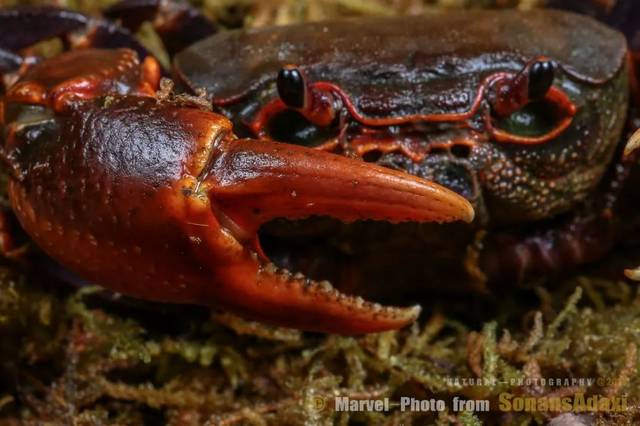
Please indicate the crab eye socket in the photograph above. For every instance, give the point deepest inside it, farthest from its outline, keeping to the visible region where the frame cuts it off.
(291, 87)
(291, 126)
(526, 108)
(537, 122)
(534, 119)
(541, 75)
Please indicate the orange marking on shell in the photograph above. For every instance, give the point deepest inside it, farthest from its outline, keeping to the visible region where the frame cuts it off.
(554, 95)
(364, 145)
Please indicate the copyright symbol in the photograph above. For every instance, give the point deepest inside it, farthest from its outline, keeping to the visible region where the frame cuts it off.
(318, 403)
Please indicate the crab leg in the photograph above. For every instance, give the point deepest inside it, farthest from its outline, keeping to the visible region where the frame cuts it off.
(178, 24)
(48, 22)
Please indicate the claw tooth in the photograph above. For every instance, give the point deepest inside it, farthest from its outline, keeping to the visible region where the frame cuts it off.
(270, 268)
(299, 276)
(325, 286)
(359, 302)
(377, 307)
(285, 273)
(415, 311)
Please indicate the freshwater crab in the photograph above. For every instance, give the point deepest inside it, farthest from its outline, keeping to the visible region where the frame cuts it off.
(153, 195)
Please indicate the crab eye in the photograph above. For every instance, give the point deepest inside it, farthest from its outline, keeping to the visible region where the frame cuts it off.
(526, 108)
(291, 87)
(509, 93)
(541, 74)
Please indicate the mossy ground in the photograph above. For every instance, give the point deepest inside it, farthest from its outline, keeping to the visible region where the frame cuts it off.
(78, 357)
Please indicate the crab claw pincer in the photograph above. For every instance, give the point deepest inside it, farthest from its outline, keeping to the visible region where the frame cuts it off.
(159, 200)
(250, 182)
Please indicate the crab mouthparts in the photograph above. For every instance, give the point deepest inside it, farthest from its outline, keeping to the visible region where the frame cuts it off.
(251, 182)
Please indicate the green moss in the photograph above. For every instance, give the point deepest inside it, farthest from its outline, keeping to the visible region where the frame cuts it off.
(113, 362)
(79, 358)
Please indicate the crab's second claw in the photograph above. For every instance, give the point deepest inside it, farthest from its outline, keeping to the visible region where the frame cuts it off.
(250, 182)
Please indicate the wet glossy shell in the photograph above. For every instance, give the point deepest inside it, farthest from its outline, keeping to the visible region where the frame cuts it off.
(406, 65)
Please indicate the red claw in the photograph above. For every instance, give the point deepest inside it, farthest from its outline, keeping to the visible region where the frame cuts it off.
(250, 182)
(159, 200)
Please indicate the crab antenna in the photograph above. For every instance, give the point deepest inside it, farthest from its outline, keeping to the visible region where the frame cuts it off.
(317, 105)
(530, 84)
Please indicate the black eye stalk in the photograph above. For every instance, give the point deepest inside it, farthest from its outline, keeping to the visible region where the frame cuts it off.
(313, 100)
(532, 83)
(292, 88)
(541, 75)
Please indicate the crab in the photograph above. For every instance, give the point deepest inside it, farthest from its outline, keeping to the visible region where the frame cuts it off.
(335, 150)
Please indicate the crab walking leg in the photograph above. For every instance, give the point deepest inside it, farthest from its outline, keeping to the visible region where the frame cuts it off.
(179, 24)
(45, 22)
